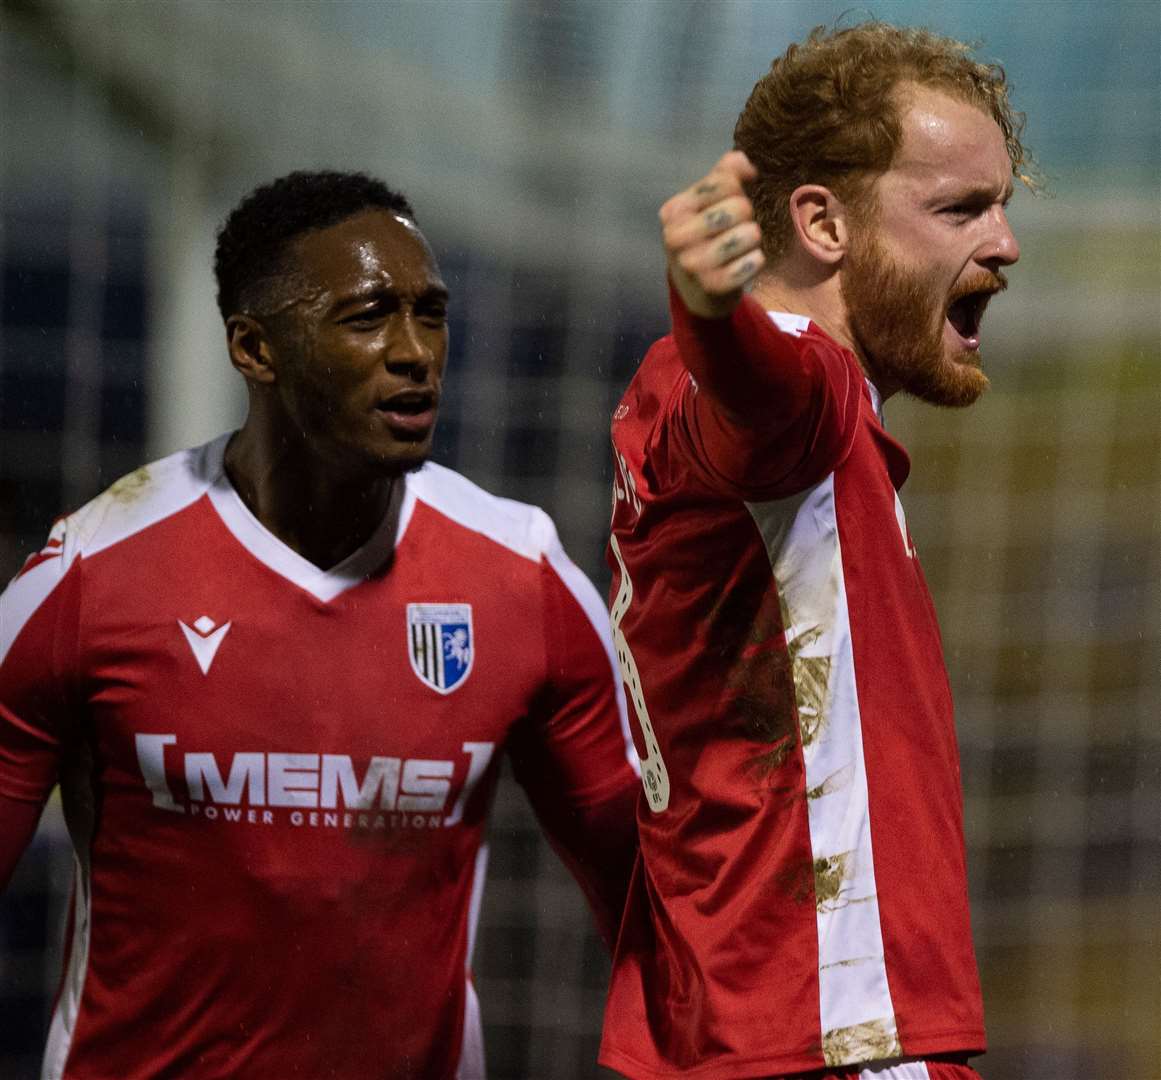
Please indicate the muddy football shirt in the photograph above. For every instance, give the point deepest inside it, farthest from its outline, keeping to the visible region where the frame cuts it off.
(276, 777)
(801, 900)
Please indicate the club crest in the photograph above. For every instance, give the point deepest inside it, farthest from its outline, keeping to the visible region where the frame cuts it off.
(440, 645)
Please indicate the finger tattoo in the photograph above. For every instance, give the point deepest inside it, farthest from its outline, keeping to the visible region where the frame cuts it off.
(705, 189)
(729, 246)
(718, 219)
(744, 270)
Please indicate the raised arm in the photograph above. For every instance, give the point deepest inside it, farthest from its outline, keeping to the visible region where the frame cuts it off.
(773, 407)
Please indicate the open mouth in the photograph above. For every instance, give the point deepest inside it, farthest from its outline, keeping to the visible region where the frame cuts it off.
(411, 413)
(965, 313)
(409, 404)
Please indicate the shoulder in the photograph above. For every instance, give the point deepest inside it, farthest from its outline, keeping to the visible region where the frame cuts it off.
(521, 528)
(131, 505)
(137, 501)
(659, 379)
(661, 360)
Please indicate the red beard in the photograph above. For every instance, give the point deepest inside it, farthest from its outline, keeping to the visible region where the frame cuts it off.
(897, 317)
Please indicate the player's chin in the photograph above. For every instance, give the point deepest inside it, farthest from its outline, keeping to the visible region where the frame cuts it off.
(396, 457)
(406, 460)
(957, 382)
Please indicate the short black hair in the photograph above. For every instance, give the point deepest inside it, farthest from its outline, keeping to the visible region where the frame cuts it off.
(253, 241)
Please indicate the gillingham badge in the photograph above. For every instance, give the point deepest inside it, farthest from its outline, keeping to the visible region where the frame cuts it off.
(440, 645)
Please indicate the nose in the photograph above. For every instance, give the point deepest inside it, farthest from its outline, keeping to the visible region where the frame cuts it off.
(1000, 247)
(407, 352)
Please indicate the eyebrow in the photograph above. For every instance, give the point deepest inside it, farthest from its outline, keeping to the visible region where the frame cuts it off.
(981, 194)
(380, 291)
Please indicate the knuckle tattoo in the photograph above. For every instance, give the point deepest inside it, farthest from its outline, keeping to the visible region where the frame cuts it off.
(718, 219)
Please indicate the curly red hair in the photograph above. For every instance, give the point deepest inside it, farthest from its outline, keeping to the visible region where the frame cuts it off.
(828, 113)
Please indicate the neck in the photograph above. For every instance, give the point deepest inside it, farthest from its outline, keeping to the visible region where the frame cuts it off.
(313, 507)
(808, 290)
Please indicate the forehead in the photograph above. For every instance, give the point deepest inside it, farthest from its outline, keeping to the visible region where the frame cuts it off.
(371, 246)
(947, 144)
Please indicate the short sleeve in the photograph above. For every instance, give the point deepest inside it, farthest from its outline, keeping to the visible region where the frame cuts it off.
(573, 754)
(39, 613)
(579, 742)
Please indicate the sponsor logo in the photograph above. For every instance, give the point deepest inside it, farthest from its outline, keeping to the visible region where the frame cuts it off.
(440, 644)
(318, 790)
(204, 637)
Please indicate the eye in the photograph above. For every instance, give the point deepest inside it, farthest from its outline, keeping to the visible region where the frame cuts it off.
(964, 210)
(363, 319)
(366, 317)
(433, 312)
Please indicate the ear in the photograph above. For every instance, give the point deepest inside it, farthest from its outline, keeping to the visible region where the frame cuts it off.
(250, 351)
(820, 223)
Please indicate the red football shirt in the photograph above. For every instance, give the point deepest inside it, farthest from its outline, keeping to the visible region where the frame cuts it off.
(801, 899)
(276, 776)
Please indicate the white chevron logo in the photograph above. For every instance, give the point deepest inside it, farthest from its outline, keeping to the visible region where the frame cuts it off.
(204, 640)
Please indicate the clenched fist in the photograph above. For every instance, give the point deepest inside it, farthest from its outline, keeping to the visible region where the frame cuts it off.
(711, 239)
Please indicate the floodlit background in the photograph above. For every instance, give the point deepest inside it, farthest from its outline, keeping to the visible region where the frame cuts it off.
(536, 140)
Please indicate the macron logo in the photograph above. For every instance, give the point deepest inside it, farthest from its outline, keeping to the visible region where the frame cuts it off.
(204, 637)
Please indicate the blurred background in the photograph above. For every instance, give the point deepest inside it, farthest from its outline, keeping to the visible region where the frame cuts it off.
(536, 140)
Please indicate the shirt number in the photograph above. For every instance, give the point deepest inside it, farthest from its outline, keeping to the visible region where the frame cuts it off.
(654, 776)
